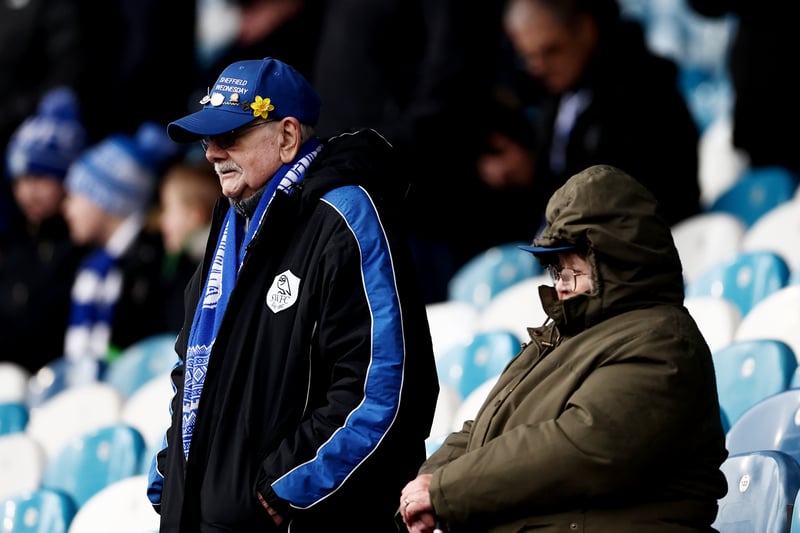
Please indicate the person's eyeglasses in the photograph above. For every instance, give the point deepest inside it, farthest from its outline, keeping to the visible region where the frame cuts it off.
(567, 275)
(228, 139)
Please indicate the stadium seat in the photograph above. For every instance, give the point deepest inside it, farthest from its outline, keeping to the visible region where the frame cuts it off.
(446, 406)
(22, 461)
(470, 405)
(516, 308)
(486, 355)
(61, 374)
(705, 239)
(13, 382)
(93, 460)
(721, 164)
(120, 507)
(749, 371)
(745, 280)
(491, 271)
(72, 412)
(756, 192)
(775, 317)
(39, 511)
(13, 417)
(142, 361)
(777, 231)
(451, 323)
(717, 317)
(147, 409)
(771, 424)
(762, 487)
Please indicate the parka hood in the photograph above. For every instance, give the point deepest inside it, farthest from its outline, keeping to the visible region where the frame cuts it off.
(619, 224)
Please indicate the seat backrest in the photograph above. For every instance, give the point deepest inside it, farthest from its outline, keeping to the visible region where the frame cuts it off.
(482, 277)
(745, 280)
(777, 231)
(13, 417)
(486, 355)
(148, 408)
(516, 308)
(771, 424)
(39, 511)
(22, 461)
(705, 239)
(142, 361)
(759, 190)
(72, 412)
(121, 507)
(13, 381)
(749, 371)
(718, 319)
(762, 486)
(451, 323)
(93, 460)
(61, 374)
(469, 406)
(774, 317)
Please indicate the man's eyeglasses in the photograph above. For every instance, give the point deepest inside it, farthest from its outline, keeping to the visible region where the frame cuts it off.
(567, 275)
(228, 139)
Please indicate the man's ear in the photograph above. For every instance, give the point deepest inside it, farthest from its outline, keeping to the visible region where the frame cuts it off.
(290, 139)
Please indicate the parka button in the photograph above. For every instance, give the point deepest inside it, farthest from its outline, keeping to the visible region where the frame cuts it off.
(573, 526)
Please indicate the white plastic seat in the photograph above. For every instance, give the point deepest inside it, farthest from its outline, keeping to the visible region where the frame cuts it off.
(775, 317)
(73, 411)
(516, 308)
(451, 323)
(470, 406)
(121, 507)
(717, 317)
(705, 239)
(778, 231)
(147, 409)
(13, 382)
(22, 461)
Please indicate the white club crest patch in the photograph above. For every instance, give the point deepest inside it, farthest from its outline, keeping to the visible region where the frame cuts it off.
(283, 292)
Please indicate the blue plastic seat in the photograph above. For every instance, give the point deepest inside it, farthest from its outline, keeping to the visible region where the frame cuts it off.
(491, 271)
(762, 487)
(757, 191)
(745, 279)
(39, 511)
(142, 361)
(750, 371)
(486, 355)
(61, 374)
(93, 460)
(13, 417)
(771, 424)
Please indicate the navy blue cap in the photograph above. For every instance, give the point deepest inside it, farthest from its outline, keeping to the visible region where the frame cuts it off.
(247, 90)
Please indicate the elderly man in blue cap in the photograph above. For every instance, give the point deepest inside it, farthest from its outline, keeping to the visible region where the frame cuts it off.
(307, 383)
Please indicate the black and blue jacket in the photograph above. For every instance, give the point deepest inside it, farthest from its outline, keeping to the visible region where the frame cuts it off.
(320, 400)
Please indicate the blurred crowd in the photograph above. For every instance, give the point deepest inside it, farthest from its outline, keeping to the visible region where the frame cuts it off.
(491, 110)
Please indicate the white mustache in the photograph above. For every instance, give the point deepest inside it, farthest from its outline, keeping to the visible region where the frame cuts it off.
(227, 166)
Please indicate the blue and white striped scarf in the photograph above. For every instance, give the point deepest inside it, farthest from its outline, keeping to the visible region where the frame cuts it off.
(228, 259)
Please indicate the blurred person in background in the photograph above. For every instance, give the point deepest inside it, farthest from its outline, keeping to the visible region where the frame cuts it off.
(40, 49)
(604, 99)
(187, 194)
(38, 263)
(116, 296)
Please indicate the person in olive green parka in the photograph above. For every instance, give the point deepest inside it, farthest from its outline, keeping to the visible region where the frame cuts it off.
(607, 420)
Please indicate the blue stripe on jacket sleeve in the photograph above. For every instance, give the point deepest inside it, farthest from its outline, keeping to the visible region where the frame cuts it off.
(367, 424)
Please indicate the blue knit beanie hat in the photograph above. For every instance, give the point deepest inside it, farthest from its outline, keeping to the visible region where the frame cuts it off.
(46, 143)
(120, 172)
